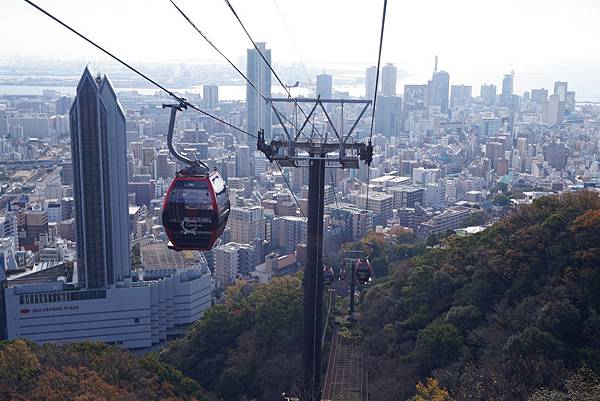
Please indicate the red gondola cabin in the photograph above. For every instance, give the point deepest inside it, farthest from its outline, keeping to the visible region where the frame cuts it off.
(195, 211)
(364, 271)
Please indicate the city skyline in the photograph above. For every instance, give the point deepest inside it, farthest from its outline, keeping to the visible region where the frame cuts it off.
(468, 55)
(412, 188)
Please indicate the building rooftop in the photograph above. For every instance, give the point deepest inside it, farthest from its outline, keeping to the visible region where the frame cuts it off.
(158, 256)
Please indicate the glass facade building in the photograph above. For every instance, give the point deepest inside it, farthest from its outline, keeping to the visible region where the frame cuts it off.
(258, 72)
(98, 152)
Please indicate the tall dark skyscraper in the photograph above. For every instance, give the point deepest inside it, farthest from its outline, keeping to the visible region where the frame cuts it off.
(440, 86)
(258, 111)
(99, 155)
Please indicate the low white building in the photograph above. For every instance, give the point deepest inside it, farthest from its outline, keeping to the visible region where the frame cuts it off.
(133, 315)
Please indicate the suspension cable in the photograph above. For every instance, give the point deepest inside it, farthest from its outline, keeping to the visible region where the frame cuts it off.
(293, 42)
(378, 68)
(375, 96)
(180, 99)
(211, 43)
(337, 208)
(262, 56)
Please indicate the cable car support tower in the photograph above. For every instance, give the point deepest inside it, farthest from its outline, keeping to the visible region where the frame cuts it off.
(316, 153)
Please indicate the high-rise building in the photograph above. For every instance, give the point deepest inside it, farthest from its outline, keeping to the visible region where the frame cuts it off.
(99, 154)
(415, 97)
(143, 191)
(440, 86)
(4, 126)
(324, 86)
(32, 125)
(556, 155)
(63, 104)
(388, 116)
(539, 96)
(163, 167)
(287, 232)
(226, 264)
(355, 222)
(260, 165)
(507, 86)
(488, 94)
(560, 89)
(370, 77)
(570, 103)
(406, 196)
(388, 80)
(258, 72)
(9, 227)
(246, 224)
(243, 161)
(380, 204)
(460, 96)
(210, 96)
(435, 195)
(554, 110)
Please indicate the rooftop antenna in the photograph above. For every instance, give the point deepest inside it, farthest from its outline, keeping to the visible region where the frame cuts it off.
(436, 63)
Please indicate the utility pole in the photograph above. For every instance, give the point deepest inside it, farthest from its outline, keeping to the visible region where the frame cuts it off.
(312, 328)
(314, 154)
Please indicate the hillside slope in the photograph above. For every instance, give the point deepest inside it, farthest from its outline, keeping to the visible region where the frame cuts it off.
(88, 371)
(499, 315)
(248, 347)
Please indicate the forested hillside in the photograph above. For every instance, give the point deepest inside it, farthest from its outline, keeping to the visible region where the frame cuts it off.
(511, 313)
(248, 347)
(88, 371)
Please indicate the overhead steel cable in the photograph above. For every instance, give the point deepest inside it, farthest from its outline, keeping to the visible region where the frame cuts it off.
(293, 42)
(378, 68)
(180, 99)
(262, 56)
(211, 43)
(375, 95)
(205, 37)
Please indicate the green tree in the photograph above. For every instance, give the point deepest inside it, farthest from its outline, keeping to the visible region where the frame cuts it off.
(501, 200)
(438, 344)
(475, 219)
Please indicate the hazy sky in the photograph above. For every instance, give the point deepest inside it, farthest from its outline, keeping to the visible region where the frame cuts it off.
(542, 40)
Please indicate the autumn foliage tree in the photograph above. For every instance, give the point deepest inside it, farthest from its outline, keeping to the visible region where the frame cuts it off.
(88, 371)
(496, 315)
